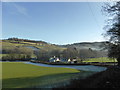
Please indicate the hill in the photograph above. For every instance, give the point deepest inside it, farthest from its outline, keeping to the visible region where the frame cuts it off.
(85, 49)
(99, 46)
(35, 45)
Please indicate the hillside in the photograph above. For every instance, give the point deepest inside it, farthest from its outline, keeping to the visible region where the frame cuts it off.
(35, 45)
(99, 46)
(86, 49)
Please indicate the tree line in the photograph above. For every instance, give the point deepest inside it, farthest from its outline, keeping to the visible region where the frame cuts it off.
(24, 53)
(25, 40)
(16, 53)
(70, 53)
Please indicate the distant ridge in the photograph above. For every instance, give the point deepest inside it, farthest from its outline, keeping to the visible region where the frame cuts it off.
(86, 45)
(99, 46)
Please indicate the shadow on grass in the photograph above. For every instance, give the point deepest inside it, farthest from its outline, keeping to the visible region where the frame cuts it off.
(37, 82)
(105, 79)
(48, 81)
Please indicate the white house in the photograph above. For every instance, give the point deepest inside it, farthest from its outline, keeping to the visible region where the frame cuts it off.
(57, 60)
(69, 60)
(54, 59)
(72, 61)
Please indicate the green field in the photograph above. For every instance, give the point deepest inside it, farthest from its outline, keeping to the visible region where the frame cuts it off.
(43, 46)
(20, 75)
(102, 59)
(2, 55)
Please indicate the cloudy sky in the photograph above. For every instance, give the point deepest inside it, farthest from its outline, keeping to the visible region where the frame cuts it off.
(54, 22)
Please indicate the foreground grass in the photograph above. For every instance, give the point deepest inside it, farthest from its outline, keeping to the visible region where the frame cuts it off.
(20, 75)
(109, 78)
(102, 59)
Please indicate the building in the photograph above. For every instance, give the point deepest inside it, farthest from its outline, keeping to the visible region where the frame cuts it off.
(54, 59)
(72, 61)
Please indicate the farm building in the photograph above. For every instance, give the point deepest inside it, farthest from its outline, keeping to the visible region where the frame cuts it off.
(72, 61)
(54, 59)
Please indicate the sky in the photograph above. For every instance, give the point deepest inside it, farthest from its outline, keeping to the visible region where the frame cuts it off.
(54, 22)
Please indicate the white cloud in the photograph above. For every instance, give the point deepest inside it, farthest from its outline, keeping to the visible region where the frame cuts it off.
(20, 9)
(16, 8)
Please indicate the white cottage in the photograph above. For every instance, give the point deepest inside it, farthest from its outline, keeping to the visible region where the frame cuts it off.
(54, 59)
(72, 61)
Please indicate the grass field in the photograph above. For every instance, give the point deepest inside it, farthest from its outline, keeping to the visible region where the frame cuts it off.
(102, 59)
(43, 46)
(2, 55)
(20, 75)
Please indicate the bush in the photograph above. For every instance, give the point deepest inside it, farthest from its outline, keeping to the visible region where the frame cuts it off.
(14, 57)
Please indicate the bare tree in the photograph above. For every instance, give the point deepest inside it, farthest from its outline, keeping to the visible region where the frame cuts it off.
(113, 29)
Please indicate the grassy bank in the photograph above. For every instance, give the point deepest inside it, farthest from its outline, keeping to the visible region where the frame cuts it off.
(101, 59)
(106, 79)
(1, 55)
(20, 75)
